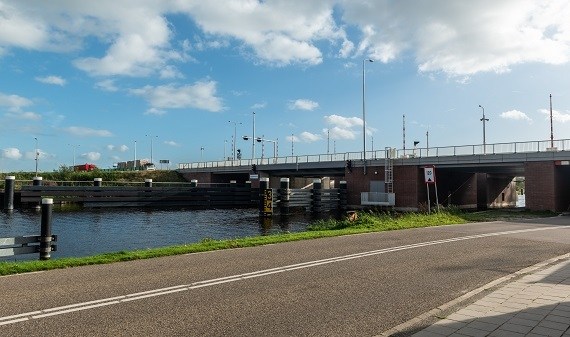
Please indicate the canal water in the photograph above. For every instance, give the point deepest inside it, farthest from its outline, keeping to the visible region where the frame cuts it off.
(93, 231)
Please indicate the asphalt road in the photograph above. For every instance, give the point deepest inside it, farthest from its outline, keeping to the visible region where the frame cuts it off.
(358, 285)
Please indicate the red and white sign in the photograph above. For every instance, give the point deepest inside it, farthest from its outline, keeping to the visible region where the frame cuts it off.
(429, 174)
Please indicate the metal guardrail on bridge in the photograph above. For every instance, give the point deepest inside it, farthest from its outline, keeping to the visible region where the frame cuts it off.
(440, 151)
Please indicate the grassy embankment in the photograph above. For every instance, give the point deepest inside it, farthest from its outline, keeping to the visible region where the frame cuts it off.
(366, 222)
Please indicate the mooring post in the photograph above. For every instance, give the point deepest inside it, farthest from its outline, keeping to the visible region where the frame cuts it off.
(284, 192)
(37, 181)
(193, 183)
(148, 183)
(317, 196)
(9, 193)
(343, 195)
(97, 182)
(248, 184)
(45, 234)
(265, 198)
(233, 183)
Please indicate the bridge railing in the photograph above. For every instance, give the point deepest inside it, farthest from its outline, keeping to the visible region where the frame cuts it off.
(439, 151)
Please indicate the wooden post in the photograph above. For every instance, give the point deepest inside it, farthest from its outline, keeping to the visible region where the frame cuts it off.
(284, 192)
(316, 206)
(45, 234)
(9, 193)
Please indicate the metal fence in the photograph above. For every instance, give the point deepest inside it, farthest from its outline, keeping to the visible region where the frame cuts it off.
(440, 151)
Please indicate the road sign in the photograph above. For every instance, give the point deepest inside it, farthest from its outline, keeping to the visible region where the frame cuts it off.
(429, 175)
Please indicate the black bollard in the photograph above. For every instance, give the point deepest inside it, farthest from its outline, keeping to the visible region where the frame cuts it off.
(284, 192)
(148, 183)
(45, 234)
(248, 184)
(9, 193)
(193, 183)
(37, 181)
(317, 191)
(233, 183)
(343, 196)
(97, 182)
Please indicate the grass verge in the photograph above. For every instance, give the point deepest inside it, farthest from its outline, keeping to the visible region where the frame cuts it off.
(366, 222)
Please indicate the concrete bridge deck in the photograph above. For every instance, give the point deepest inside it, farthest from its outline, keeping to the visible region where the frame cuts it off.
(469, 175)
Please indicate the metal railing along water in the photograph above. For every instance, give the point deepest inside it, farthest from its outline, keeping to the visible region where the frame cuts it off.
(440, 151)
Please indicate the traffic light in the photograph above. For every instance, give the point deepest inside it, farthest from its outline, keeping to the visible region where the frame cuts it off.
(349, 165)
(254, 168)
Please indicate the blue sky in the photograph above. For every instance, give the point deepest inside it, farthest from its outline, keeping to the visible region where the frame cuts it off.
(94, 78)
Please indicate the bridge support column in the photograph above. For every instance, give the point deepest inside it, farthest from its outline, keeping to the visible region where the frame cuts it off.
(547, 186)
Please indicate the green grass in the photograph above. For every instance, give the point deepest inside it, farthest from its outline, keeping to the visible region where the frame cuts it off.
(366, 222)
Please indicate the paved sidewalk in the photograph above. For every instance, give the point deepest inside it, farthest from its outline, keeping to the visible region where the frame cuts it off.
(537, 304)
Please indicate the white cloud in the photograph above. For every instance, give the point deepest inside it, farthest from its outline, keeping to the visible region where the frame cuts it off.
(11, 153)
(27, 115)
(258, 106)
(556, 115)
(123, 148)
(515, 115)
(55, 80)
(171, 143)
(107, 85)
(308, 137)
(342, 133)
(303, 104)
(459, 38)
(155, 111)
(200, 95)
(462, 38)
(14, 103)
(91, 156)
(293, 138)
(343, 122)
(87, 132)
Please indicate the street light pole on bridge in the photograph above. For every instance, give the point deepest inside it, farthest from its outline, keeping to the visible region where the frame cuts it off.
(364, 110)
(483, 119)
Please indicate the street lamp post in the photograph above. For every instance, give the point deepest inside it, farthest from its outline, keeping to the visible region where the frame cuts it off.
(151, 138)
(483, 119)
(37, 155)
(201, 152)
(253, 138)
(234, 143)
(292, 145)
(135, 158)
(551, 127)
(74, 146)
(364, 110)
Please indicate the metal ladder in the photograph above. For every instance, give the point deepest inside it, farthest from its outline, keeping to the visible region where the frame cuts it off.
(389, 169)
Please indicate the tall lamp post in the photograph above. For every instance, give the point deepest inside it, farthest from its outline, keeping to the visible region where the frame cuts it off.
(364, 110)
(151, 138)
(551, 127)
(37, 155)
(483, 119)
(74, 146)
(135, 158)
(253, 138)
(235, 140)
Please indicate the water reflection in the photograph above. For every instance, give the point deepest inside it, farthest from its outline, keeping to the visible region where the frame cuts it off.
(92, 231)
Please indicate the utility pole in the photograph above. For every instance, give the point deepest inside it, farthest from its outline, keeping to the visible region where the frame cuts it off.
(483, 119)
(551, 127)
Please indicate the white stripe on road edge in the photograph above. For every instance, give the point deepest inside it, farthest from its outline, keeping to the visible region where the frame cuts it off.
(208, 283)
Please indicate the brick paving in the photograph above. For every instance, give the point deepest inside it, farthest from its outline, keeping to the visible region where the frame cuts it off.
(537, 304)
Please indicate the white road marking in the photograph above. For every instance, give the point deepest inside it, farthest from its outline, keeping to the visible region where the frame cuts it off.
(233, 278)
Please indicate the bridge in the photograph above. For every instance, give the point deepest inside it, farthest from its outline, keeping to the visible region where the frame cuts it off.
(469, 176)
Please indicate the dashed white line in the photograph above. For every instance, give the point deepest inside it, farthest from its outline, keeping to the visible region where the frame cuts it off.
(233, 278)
